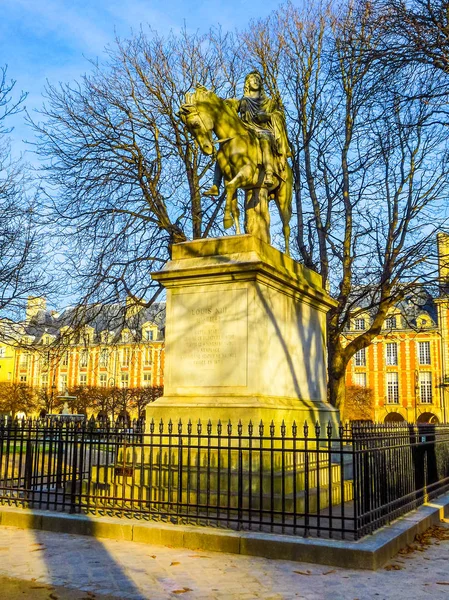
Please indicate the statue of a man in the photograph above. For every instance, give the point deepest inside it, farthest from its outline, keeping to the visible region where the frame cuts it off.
(264, 116)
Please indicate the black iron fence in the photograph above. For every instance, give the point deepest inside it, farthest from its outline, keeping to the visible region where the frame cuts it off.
(340, 483)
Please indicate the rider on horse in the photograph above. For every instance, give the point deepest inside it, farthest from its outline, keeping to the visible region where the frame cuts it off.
(265, 118)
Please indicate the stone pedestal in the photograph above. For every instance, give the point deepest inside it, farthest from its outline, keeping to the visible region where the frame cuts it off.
(245, 336)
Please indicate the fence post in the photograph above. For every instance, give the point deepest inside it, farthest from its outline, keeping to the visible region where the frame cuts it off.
(28, 476)
(240, 477)
(426, 477)
(74, 471)
(59, 456)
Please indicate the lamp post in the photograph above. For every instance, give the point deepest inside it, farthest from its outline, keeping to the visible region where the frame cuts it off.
(444, 385)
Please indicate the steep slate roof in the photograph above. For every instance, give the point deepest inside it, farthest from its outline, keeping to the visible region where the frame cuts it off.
(112, 318)
(411, 307)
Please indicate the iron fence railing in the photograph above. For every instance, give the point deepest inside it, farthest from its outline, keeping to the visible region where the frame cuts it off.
(340, 483)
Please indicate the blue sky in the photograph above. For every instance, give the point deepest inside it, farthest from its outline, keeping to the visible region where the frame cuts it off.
(51, 39)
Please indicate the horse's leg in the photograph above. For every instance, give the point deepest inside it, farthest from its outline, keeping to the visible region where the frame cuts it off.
(236, 213)
(228, 221)
(283, 199)
(242, 177)
(257, 215)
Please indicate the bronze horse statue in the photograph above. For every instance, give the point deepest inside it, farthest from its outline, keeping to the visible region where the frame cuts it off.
(240, 160)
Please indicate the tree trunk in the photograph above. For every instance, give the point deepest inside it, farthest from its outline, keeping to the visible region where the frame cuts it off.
(337, 376)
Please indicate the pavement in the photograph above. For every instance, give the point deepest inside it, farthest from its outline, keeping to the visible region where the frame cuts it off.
(42, 565)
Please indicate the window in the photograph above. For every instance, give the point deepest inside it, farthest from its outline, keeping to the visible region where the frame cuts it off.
(126, 336)
(23, 379)
(45, 361)
(104, 337)
(126, 357)
(65, 359)
(124, 380)
(149, 335)
(148, 357)
(390, 323)
(62, 383)
(360, 358)
(83, 378)
(23, 361)
(104, 357)
(2, 352)
(425, 387)
(44, 380)
(391, 356)
(360, 379)
(84, 357)
(393, 388)
(424, 353)
(359, 324)
(103, 380)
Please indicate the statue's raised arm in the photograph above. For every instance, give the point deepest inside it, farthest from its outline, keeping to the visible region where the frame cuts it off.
(252, 154)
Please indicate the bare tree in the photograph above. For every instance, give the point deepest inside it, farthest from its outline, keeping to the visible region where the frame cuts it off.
(17, 397)
(127, 176)
(359, 404)
(370, 165)
(369, 160)
(141, 397)
(21, 271)
(48, 401)
(415, 31)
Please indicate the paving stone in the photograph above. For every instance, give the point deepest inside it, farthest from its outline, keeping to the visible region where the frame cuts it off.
(135, 571)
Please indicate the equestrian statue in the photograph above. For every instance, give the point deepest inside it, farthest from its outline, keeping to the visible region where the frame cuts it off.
(252, 153)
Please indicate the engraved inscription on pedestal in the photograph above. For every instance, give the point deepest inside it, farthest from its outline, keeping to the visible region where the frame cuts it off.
(210, 344)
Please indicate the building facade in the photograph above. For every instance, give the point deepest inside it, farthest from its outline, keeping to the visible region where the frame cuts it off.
(403, 375)
(106, 347)
(406, 367)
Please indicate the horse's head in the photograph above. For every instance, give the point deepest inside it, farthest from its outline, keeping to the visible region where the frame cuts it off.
(198, 119)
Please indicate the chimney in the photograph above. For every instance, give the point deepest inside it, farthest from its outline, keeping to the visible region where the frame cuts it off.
(443, 261)
(34, 305)
(133, 306)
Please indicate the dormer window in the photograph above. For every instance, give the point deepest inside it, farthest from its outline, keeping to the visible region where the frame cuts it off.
(149, 334)
(359, 324)
(87, 336)
(390, 323)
